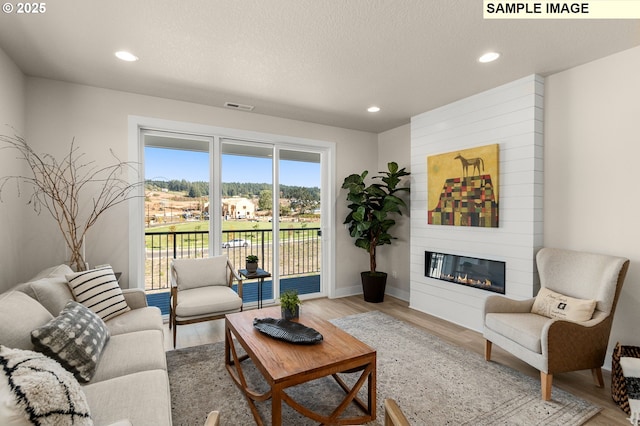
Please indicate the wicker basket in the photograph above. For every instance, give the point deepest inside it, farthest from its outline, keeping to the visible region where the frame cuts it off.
(618, 385)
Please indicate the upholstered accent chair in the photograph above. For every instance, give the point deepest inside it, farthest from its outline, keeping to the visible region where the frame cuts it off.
(201, 290)
(554, 344)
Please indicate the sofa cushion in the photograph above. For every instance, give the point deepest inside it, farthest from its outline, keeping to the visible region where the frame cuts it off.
(75, 338)
(98, 290)
(555, 305)
(523, 328)
(35, 389)
(149, 318)
(53, 293)
(19, 314)
(201, 272)
(54, 271)
(205, 300)
(142, 397)
(131, 353)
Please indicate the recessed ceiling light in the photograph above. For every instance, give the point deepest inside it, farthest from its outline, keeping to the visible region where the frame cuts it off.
(373, 109)
(489, 57)
(126, 56)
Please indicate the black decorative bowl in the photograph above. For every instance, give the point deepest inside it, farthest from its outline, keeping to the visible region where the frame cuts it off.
(288, 331)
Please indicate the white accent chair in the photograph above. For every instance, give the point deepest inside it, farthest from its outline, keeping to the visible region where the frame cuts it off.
(554, 345)
(201, 291)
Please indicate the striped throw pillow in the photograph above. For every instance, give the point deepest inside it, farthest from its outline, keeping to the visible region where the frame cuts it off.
(99, 291)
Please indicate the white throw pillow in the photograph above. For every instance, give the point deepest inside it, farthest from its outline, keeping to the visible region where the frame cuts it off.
(35, 389)
(555, 305)
(194, 273)
(98, 290)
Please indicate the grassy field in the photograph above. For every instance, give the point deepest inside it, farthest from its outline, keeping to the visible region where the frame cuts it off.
(300, 246)
(230, 225)
(234, 229)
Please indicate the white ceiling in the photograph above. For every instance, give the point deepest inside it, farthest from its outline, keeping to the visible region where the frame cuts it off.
(319, 61)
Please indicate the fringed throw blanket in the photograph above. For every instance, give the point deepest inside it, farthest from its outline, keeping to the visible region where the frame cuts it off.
(631, 371)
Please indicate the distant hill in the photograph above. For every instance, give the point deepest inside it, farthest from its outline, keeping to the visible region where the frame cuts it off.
(232, 189)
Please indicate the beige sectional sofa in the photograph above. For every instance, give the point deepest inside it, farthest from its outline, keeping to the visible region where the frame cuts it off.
(130, 384)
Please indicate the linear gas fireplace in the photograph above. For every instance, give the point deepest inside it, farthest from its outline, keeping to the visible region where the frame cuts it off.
(470, 271)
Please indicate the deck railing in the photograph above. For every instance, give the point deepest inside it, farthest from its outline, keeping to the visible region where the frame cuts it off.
(300, 251)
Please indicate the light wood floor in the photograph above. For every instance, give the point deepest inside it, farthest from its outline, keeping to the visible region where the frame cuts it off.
(578, 383)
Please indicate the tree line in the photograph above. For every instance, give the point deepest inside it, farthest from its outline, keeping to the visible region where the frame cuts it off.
(236, 189)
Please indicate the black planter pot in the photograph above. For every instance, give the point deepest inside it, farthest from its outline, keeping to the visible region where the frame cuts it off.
(289, 315)
(373, 286)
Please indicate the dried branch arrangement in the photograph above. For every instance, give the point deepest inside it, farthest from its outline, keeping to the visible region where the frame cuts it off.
(74, 191)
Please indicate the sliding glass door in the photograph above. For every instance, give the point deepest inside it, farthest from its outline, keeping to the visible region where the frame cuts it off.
(207, 195)
(300, 254)
(271, 209)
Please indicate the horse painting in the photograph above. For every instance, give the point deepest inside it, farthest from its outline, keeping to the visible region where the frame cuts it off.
(477, 163)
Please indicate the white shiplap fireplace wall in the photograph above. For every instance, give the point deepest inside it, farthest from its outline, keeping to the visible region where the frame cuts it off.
(511, 116)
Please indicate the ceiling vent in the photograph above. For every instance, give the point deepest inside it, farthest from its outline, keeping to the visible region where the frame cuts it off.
(241, 107)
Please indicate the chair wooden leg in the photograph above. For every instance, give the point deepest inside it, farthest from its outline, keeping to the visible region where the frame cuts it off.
(174, 336)
(487, 350)
(597, 376)
(545, 384)
(172, 324)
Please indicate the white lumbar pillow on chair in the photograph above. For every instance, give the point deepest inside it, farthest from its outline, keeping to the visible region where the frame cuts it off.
(555, 305)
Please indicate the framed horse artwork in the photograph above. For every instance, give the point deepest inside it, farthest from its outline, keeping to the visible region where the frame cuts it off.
(463, 187)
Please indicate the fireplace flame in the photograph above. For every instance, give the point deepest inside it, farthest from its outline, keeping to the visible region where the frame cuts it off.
(466, 280)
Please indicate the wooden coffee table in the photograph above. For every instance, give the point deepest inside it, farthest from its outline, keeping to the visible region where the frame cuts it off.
(285, 364)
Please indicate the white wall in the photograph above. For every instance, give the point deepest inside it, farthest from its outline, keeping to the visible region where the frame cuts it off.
(395, 145)
(98, 119)
(511, 116)
(592, 164)
(13, 254)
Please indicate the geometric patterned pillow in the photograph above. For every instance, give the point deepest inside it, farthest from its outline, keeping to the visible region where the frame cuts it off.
(75, 339)
(99, 291)
(37, 390)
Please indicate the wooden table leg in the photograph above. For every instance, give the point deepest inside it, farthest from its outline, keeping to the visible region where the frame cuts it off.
(233, 360)
(276, 406)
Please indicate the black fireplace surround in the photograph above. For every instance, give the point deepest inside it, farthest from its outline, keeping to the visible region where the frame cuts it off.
(469, 271)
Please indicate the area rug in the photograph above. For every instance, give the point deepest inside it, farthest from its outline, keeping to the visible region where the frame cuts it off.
(434, 383)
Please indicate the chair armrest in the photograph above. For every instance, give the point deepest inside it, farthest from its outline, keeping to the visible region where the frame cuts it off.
(213, 419)
(573, 346)
(135, 297)
(234, 274)
(173, 277)
(500, 304)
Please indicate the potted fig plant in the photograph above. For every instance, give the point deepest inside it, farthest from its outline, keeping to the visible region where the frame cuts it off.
(252, 263)
(370, 219)
(290, 304)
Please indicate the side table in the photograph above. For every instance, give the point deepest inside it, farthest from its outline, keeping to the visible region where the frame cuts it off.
(259, 274)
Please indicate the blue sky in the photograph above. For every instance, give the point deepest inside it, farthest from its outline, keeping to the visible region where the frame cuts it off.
(170, 164)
